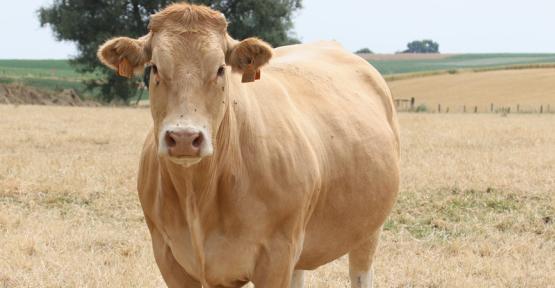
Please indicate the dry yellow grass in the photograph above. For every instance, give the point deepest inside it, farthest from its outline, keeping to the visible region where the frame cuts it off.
(476, 206)
(528, 88)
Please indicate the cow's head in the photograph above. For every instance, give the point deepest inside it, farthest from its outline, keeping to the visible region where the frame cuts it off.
(191, 56)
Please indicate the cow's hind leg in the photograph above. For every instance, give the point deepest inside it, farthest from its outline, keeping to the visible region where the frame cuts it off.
(360, 263)
(297, 281)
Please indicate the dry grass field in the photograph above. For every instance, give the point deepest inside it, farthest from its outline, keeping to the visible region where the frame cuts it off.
(476, 206)
(528, 88)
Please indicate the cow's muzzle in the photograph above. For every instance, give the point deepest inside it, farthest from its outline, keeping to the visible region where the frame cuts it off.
(186, 142)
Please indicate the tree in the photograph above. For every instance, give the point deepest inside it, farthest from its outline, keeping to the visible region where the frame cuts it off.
(90, 23)
(364, 51)
(423, 46)
(270, 20)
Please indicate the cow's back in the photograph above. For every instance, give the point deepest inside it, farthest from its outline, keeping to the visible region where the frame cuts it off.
(326, 76)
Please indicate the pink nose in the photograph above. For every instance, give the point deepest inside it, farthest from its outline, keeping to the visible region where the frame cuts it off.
(184, 143)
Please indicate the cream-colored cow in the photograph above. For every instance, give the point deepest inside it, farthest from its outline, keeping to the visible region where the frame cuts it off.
(258, 181)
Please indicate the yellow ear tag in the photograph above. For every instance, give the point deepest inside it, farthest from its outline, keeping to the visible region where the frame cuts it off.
(125, 69)
(249, 74)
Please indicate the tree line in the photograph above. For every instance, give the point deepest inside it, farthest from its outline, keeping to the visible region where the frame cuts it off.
(416, 46)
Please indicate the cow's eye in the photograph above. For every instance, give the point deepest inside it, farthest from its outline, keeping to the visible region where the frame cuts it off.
(221, 71)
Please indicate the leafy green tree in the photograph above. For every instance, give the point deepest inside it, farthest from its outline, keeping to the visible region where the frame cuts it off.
(423, 46)
(270, 20)
(364, 51)
(90, 23)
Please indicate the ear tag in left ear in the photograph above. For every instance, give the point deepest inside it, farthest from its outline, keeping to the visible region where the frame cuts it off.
(257, 77)
(125, 69)
(249, 74)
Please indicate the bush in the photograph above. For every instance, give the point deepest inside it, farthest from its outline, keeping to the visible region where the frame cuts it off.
(364, 51)
(421, 108)
(422, 46)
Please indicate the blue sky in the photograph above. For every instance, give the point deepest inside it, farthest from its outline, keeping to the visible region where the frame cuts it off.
(460, 26)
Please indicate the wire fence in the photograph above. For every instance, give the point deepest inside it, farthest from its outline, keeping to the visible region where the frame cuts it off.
(410, 105)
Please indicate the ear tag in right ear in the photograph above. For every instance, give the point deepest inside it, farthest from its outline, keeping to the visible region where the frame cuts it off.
(249, 74)
(125, 69)
(257, 77)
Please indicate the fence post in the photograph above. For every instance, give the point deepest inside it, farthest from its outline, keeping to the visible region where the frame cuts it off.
(438, 108)
(509, 110)
(475, 109)
(447, 110)
(541, 109)
(464, 108)
(517, 108)
(491, 107)
(411, 103)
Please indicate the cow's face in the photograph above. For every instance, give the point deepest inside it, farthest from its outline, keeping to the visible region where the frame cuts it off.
(190, 56)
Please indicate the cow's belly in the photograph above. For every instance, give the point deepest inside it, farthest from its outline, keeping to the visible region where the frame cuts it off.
(334, 229)
(327, 239)
(358, 192)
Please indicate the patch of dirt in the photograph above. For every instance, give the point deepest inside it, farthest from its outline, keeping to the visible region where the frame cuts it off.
(17, 94)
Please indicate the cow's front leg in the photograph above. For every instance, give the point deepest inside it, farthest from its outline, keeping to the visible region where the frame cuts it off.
(274, 266)
(174, 275)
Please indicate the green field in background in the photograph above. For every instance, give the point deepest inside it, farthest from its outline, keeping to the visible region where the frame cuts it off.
(461, 61)
(43, 74)
(59, 74)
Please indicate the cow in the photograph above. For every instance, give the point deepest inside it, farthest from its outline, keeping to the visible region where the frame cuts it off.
(261, 162)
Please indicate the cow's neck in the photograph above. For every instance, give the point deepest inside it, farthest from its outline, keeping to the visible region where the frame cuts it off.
(196, 189)
(201, 182)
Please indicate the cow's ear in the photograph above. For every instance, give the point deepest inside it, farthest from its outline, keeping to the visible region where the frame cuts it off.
(248, 56)
(125, 55)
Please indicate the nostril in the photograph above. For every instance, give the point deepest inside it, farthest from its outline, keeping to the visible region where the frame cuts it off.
(198, 141)
(169, 139)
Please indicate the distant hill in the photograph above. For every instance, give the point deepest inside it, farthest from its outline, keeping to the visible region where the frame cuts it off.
(42, 74)
(390, 64)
